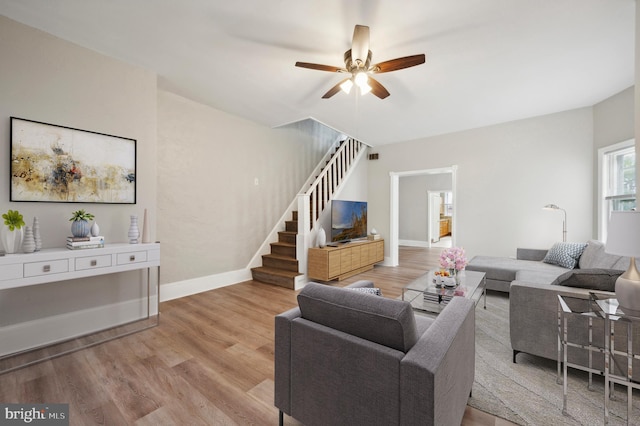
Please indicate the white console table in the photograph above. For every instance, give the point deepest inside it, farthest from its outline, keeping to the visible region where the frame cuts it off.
(60, 264)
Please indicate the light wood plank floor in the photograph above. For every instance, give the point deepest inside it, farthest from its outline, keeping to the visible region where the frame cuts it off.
(210, 362)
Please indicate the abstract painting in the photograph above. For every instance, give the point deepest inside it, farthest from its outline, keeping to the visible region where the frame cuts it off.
(61, 164)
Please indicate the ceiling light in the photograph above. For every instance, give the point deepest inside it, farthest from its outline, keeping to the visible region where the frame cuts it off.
(346, 86)
(364, 88)
(361, 79)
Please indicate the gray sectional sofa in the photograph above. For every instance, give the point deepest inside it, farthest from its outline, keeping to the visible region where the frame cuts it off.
(534, 286)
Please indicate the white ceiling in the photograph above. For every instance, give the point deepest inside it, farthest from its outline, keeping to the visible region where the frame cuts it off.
(488, 61)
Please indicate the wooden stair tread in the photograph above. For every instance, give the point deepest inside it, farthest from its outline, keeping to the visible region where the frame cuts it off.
(278, 272)
(279, 257)
(281, 244)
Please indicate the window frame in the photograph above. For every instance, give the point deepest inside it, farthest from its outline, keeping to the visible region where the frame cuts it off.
(603, 198)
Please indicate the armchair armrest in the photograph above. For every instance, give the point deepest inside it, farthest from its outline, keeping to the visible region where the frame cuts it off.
(282, 359)
(437, 374)
(530, 254)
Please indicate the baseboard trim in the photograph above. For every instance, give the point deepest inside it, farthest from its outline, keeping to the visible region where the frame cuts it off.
(414, 243)
(184, 288)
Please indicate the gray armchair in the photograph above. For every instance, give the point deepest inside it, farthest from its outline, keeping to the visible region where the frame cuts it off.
(344, 357)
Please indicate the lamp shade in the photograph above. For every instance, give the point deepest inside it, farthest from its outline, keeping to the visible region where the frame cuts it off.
(623, 234)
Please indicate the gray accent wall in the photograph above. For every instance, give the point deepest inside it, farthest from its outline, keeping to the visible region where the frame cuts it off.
(224, 182)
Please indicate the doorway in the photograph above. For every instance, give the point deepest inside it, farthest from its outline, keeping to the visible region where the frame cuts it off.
(395, 205)
(439, 218)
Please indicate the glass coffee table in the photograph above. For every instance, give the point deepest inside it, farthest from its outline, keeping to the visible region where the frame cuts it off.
(425, 295)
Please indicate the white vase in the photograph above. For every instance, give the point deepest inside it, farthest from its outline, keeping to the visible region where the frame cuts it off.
(95, 229)
(134, 232)
(28, 244)
(321, 238)
(11, 240)
(36, 234)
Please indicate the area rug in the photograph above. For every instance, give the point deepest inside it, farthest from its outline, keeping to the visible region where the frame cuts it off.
(526, 393)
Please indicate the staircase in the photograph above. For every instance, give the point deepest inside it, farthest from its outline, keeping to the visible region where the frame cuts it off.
(288, 258)
(280, 267)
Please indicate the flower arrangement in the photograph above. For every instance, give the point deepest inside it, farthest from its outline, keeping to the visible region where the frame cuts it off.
(453, 258)
(13, 219)
(81, 215)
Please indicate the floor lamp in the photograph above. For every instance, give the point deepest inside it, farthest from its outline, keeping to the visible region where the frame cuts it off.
(564, 220)
(623, 239)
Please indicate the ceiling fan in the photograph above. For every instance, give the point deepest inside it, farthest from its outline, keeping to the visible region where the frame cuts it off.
(357, 62)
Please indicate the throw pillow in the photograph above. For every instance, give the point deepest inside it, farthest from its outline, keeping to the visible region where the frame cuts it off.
(565, 254)
(592, 279)
(366, 290)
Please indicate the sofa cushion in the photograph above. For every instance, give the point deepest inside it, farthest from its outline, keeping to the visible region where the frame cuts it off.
(541, 276)
(509, 269)
(592, 279)
(387, 322)
(594, 257)
(565, 254)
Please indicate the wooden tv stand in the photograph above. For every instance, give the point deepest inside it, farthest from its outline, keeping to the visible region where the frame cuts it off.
(344, 261)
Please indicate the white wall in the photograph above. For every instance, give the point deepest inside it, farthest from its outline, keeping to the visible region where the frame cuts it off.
(50, 80)
(212, 216)
(506, 173)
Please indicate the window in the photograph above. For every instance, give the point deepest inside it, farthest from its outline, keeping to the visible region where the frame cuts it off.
(617, 191)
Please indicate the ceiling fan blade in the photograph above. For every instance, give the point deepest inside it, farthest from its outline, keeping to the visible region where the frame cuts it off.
(377, 88)
(335, 89)
(398, 64)
(320, 67)
(360, 45)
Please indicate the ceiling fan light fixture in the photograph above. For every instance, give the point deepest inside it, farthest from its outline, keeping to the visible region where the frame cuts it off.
(346, 86)
(364, 88)
(361, 79)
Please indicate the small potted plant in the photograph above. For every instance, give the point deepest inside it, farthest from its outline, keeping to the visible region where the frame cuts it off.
(80, 223)
(12, 232)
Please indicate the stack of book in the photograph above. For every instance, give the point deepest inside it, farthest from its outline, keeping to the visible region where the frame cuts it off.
(78, 243)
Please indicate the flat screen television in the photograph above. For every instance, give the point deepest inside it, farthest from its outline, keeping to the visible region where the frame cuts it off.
(348, 220)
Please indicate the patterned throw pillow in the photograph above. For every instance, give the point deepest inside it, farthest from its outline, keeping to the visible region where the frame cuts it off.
(368, 290)
(565, 254)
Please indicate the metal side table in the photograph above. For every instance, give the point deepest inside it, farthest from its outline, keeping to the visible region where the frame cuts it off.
(609, 310)
(564, 313)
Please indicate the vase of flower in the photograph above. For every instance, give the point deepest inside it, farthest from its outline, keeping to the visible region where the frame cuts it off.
(454, 260)
(80, 223)
(11, 233)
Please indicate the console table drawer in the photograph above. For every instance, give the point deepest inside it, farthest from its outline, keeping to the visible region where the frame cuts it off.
(10, 272)
(133, 257)
(91, 262)
(35, 269)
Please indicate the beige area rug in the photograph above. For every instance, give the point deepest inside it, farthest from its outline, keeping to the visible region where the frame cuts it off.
(526, 393)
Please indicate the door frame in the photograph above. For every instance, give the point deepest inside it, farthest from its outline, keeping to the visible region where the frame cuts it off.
(394, 196)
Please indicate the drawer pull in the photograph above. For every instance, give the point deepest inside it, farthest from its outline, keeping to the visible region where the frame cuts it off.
(46, 268)
(94, 262)
(132, 257)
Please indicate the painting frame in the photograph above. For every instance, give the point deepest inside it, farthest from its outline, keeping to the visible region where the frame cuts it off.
(60, 164)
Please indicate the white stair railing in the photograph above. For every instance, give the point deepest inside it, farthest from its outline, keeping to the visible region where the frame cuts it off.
(312, 203)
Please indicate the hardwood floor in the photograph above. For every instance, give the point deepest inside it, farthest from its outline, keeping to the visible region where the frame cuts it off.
(209, 362)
